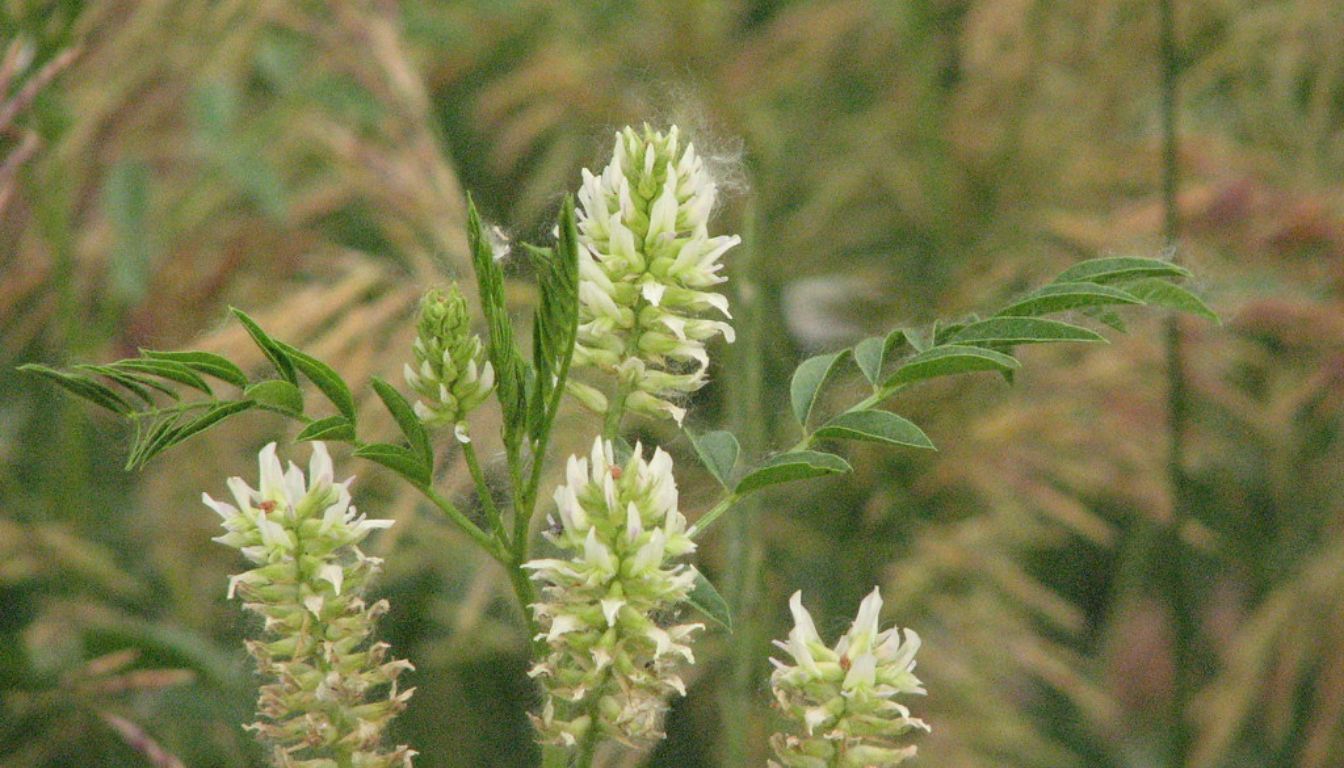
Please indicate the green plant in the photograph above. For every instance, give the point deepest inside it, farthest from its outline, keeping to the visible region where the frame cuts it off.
(624, 289)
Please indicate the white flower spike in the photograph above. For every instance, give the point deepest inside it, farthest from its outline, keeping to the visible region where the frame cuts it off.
(302, 536)
(646, 265)
(843, 697)
(612, 663)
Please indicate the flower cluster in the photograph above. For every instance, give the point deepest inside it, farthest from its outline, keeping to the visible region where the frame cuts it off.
(645, 265)
(611, 663)
(843, 696)
(319, 708)
(449, 373)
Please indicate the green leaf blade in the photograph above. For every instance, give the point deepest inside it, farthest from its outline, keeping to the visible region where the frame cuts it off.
(950, 360)
(334, 428)
(877, 427)
(1011, 331)
(82, 386)
(325, 377)
(205, 363)
(276, 395)
(705, 598)
(411, 426)
(807, 381)
(1112, 268)
(403, 461)
(868, 355)
(795, 465)
(1162, 293)
(718, 451)
(1061, 297)
(269, 347)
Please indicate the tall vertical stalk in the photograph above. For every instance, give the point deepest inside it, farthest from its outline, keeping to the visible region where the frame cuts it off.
(1183, 625)
(744, 381)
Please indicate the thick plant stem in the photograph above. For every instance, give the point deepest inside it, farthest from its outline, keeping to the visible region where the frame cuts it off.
(1183, 623)
(745, 554)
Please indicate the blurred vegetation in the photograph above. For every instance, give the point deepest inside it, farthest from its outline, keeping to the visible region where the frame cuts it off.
(891, 161)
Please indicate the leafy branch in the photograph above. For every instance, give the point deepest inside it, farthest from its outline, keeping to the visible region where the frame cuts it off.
(905, 357)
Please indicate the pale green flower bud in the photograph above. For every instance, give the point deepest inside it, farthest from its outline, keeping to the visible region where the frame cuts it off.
(613, 659)
(450, 371)
(645, 265)
(842, 698)
(322, 705)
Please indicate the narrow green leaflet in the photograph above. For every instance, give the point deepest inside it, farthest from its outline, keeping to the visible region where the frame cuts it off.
(136, 385)
(1113, 268)
(1011, 331)
(276, 395)
(82, 386)
(165, 369)
(808, 380)
(555, 326)
(510, 376)
(403, 461)
(718, 452)
(795, 465)
(167, 432)
(404, 414)
(950, 360)
(203, 362)
(270, 347)
(876, 426)
(1060, 297)
(707, 600)
(868, 355)
(336, 428)
(1165, 294)
(326, 379)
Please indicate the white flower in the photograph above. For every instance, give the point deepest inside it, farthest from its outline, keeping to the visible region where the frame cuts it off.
(450, 373)
(612, 663)
(645, 266)
(301, 534)
(843, 697)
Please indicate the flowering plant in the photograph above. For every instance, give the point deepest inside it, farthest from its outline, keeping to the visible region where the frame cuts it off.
(628, 300)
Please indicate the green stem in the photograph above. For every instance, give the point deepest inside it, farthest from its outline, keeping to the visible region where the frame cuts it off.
(745, 550)
(485, 540)
(483, 492)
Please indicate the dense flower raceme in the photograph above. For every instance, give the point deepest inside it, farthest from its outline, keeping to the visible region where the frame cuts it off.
(842, 698)
(450, 373)
(321, 706)
(612, 663)
(645, 267)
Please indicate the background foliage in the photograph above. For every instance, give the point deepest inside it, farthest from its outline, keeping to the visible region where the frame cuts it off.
(891, 162)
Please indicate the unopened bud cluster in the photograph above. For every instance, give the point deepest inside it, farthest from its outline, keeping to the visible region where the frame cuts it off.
(843, 698)
(645, 267)
(329, 693)
(611, 663)
(449, 374)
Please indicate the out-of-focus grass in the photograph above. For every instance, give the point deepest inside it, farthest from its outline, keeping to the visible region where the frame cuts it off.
(904, 160)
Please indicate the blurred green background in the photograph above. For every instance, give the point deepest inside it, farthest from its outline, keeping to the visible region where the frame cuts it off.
(890, 161)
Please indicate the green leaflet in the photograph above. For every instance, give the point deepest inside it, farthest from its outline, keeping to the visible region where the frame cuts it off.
(950, 360)
(707, 600)
(808, 380)
(718, 451)
(795, 465)
(876, 426)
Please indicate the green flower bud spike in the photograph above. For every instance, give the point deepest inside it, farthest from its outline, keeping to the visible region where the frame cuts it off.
(321, 706)
(842, 699)
(450, 373)
(645, 265)
(612, 661)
